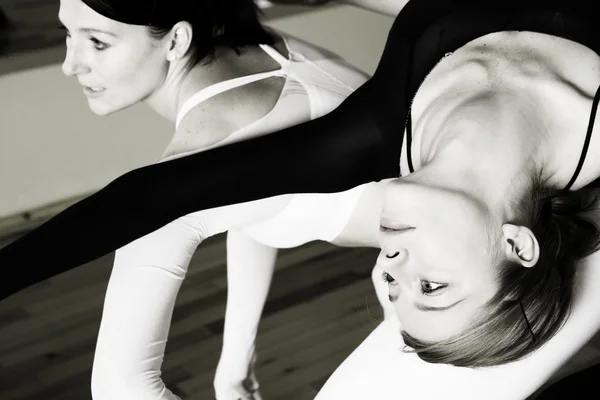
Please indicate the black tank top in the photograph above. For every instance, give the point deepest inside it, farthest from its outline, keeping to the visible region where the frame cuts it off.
(358, 142)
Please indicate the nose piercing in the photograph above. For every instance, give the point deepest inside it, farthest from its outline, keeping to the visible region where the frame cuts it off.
(393, 255)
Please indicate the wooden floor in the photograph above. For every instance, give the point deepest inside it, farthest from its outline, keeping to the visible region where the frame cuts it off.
(321, 306)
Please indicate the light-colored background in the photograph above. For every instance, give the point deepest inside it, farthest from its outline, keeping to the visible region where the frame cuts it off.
(53, 148)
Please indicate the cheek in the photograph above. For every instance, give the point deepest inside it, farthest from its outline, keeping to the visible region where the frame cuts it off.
(129, 71)
(464, 233)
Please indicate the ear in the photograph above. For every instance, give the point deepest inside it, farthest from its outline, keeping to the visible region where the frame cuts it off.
(179, 40)
(521, 246)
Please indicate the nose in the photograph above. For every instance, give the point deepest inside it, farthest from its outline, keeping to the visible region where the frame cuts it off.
(74, 64)
(392, 259)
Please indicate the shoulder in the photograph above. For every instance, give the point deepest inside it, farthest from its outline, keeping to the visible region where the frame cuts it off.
(339, 69)
(218, 117)
(324, 216)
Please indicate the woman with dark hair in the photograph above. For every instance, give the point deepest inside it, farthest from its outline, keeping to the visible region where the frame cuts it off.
(493, 127)
(219, 75)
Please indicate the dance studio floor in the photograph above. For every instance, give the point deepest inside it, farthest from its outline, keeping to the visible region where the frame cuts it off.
(321, 306)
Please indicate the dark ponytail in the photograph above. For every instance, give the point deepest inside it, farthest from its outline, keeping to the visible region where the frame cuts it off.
(560, 223)
(231, 23)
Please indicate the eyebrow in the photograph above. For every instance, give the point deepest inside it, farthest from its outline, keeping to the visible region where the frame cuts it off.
(423, 307)
(91, 30)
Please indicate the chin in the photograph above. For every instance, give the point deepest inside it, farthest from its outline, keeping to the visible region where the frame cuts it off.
(102, 109)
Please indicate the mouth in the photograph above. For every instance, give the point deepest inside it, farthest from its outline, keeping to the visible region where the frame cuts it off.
(92, 91)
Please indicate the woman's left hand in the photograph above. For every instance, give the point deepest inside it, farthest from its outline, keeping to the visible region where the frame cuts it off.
(232, 384)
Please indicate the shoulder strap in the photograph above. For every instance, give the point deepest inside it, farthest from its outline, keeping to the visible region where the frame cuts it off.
(588, 137)
(224, 86)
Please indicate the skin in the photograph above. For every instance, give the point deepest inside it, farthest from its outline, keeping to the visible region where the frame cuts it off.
(128, 66)
(445, 227)
(122, 61)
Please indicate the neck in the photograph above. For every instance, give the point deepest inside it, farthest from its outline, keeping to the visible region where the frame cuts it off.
(486, 146)
(166, 100)
(183, 81)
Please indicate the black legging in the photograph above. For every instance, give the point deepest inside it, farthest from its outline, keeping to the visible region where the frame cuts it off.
(358, 142)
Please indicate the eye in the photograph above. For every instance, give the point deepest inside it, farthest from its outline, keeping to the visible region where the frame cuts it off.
(98, 45)
(429, 287)
(387, 278)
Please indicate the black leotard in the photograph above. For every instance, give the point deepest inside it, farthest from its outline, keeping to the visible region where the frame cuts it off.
(358, 142)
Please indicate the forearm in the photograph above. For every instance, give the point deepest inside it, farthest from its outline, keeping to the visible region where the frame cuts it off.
(250, 267)
(136, 318)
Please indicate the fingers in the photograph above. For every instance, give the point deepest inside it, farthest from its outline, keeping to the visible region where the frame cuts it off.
(250, 385)
(238, 393)
(248, 396)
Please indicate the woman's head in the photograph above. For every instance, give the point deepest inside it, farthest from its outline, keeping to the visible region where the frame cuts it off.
(121, 50)
(461, 257)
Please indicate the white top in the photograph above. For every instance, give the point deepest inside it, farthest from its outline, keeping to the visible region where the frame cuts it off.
(316, 83)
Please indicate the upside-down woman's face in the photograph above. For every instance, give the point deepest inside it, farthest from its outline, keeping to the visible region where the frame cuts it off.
(117, 64)
(436, 258)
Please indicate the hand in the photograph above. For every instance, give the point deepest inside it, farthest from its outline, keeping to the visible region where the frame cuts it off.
(244, 390)
(232, 384)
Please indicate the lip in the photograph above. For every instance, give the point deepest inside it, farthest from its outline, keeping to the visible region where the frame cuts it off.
(93, 93)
